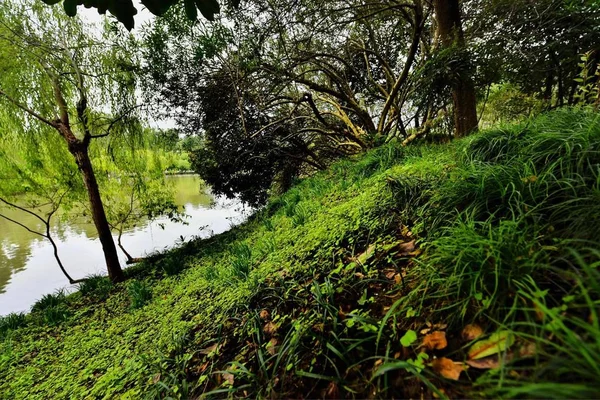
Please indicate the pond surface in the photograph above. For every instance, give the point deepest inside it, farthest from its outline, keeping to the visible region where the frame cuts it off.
(28, 269)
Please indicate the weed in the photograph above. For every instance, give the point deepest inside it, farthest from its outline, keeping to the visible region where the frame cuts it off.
(54, 315)
(241, 262)
(171, 265)
(98, 286)
(139, 293)
(301, 215)
(11, 322)
(50, 300)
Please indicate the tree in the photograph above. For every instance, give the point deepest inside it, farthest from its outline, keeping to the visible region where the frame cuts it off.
(451, 36)
(48, 64)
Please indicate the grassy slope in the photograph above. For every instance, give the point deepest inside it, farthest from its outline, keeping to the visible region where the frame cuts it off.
(312, 297)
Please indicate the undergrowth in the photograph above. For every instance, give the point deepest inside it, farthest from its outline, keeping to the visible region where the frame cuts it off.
(336, 288)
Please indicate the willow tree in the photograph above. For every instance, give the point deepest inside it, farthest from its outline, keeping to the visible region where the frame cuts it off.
(57, 77)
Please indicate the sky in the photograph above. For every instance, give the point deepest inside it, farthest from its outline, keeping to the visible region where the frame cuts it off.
(143, 17)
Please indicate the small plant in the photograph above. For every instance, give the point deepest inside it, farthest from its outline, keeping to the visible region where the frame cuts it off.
(169, 377)
(172, 266)
(242, 260)
(96, 285)
(11, 322)
(300, 216)
(268, 224)
(54, 315)
(49, 300)
(139, 293)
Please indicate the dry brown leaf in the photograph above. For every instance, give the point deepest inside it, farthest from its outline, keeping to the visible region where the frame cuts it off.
(378, 363)
(229, 377)
(491, 362)
(447, 368)
(270, 328)
(471, 332)
(359, 275)
(265, 314)
(425, 331)
(272, 346)
(528, 349)
(332, 392)
(398, 279)
(416, 253)
(406, 248)
(435, 341)
(210, 349)
(390, 275)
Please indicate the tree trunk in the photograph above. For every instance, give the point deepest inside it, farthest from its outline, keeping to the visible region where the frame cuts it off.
(80, 152)
(450, 33)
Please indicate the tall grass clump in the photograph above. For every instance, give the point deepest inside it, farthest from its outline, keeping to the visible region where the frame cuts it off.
(11, 322)
(513, 234)
(140, 293)
(241, 260)
(98, 286)
(49, 300)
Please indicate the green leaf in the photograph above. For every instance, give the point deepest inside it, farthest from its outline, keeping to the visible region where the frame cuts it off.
(124, 11)
(208, 8)
(409, 338)
(70, 7)
(190, 9)
(496, 343)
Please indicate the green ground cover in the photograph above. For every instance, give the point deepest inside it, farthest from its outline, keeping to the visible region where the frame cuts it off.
(460, 270)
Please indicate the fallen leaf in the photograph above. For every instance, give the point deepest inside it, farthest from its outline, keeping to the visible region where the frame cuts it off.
(491, 362)
(425, 331)
(528, 349)
(210, 349)
(435, 341)
(390, 275)
(378, 362)
(229, 377)
(407, 247)
(364, 256)
(398, 279)
(359, 275)
(272, 346)
(270, 328)
(496, 343)
(332, 392)
(471, 332)
(447, 368)
(265, 314)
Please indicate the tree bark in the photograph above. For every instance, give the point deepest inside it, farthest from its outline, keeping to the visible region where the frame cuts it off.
(450, 33)
(80, 152)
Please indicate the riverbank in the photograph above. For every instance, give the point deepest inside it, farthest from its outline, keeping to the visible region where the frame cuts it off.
(461, 270)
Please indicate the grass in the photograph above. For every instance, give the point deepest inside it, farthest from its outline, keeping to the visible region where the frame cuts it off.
(319, 292)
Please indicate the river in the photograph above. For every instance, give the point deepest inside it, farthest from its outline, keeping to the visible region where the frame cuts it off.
(28, 269)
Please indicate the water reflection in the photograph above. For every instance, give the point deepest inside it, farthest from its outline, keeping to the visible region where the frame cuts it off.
(27, 266)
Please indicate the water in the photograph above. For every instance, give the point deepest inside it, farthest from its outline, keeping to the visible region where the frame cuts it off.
(28, 269)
